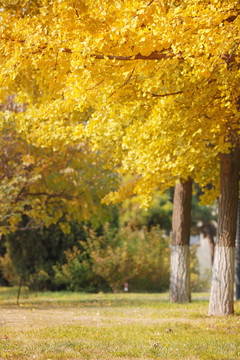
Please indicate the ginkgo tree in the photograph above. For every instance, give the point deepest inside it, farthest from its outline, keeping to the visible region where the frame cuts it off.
(161, 80)
(49, 186)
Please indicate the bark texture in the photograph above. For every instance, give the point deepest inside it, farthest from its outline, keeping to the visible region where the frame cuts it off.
(237, 256)
(221, 298)
(181, 223)
(180, 274)
(222, 290)
(181, 220)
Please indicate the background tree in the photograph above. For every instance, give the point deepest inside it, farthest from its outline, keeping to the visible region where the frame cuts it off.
(49, 186)
(33, 253)
(159, 213)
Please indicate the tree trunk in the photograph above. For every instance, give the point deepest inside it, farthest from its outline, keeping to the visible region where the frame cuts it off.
(237, 257)
(19, 289)
(222, 290)
(181, 222)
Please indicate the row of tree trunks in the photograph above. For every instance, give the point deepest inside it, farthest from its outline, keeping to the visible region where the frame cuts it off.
(222, 289)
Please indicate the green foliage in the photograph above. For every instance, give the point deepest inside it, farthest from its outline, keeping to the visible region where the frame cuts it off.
(35, 255)
(31, 255)
(204, 217)
(158, 213)
(7, 274)
(77, 274)
(140, 258)
(127, 249)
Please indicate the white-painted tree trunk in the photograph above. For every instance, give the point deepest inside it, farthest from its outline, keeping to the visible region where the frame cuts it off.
(180, 274)
(237, 257)
(222, 294)
(221, 299)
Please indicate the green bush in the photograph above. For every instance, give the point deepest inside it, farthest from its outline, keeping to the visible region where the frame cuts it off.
(31, 255)
(77, 274)
(140, 258)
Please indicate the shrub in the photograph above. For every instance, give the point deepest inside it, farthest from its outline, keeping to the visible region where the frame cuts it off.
(140, 258)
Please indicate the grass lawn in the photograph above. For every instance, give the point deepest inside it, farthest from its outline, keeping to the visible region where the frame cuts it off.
(113, 326)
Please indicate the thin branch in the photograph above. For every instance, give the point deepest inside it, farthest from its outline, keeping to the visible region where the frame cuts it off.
(55, 77)
(231, 18)
(167, 94)
(64, 196)
(150, 2)
(56, 62)
(94, 86)
(155, 55)
(133, 17)
(29, 227)
(125, 83)
(120, 87)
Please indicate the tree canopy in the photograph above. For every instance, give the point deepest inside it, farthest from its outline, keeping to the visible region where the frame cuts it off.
(156, 82)
(49, 186)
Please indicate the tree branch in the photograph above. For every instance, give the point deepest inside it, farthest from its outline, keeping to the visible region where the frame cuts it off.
(29, 227)
(64, 196)
(155, 55)
(125, 82)
(167, 94)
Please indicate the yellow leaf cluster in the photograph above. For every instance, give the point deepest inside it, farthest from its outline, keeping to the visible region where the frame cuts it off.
(155, 83)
